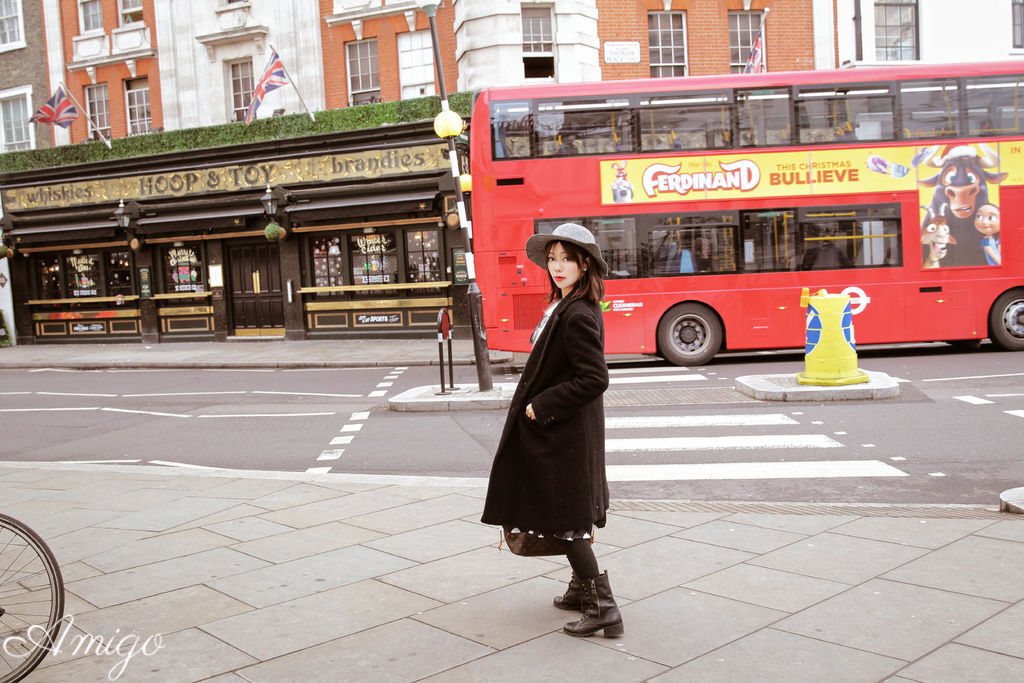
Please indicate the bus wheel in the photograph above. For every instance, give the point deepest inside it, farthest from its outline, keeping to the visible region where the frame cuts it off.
(689, 334)
(1006, 321)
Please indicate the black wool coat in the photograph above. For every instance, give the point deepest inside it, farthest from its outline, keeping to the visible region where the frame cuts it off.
(548, 474)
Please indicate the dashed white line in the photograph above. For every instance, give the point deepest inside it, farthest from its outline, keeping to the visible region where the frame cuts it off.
(973, 400)
(360, 415)
(341, 440)
(318, 470)
(42, 410)
(1015, 413)
(143, 412)
(62, 393)
(308, 393)
(333, 454)
(375, 394)
(270, 415)
(183, 393)
(352, 427)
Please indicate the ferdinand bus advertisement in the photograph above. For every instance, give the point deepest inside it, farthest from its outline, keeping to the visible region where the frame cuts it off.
(957, 185)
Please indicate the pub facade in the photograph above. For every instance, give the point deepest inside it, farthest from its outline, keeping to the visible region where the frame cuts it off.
(327, 236)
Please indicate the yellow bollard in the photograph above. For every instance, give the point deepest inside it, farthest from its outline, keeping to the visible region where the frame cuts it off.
(830, 352)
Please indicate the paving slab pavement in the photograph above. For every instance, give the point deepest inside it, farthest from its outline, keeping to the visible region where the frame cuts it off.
(264, 576)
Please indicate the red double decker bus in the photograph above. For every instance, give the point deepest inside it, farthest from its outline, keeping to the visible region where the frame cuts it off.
(716, 199)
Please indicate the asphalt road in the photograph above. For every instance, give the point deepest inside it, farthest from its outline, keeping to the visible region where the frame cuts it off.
(953, 436)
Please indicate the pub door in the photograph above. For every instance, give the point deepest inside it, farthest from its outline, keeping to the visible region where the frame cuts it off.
(257, 302)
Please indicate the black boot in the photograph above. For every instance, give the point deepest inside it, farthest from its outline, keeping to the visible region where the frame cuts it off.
(573, 598)
(599, 610)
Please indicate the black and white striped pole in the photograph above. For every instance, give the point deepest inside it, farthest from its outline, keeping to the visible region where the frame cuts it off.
(448, 124)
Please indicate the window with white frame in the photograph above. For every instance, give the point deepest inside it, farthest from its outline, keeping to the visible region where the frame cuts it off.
(136, 92)
(743, 28)
(896, 30)
(97, 106)
(242, 87)
(131, 11)
(12, 33)
(15, 130)
(666, 40)
(90, 13)
(363, 72)
(416, 64)
(1018, 23)
(538, 43)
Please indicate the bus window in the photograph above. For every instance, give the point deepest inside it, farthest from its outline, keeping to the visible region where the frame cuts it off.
(994, 105)
(847, 114)
(763, 117)
(570, 127)
(849, 237)
(931, 109)
(770, 241)
(510, 129)
(688, 244)
(699, 121)
(615, 235)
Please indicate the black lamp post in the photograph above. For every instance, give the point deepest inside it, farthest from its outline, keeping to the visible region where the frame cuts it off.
(448, 124)
(124, 217)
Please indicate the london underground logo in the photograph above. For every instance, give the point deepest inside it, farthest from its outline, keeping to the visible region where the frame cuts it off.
(859, 299)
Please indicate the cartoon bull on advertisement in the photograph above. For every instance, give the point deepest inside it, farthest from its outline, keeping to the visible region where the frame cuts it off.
(961, 186)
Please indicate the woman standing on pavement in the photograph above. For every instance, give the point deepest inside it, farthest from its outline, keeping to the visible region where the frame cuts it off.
(548, 475)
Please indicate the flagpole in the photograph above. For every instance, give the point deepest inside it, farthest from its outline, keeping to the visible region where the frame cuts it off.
(87, 116)
(292, 81)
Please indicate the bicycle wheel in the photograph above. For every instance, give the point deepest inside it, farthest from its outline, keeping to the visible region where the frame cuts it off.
(31, 599)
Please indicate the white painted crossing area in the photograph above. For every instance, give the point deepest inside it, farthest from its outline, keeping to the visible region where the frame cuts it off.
(718, 443)
(652, 379)
(754, 470)
(662, 421)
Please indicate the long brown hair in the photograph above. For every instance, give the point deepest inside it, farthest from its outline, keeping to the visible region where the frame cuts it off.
(590, 286)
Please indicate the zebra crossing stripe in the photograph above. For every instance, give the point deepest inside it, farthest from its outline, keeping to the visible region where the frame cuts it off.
(656, 378)
(660, 421)
(754, 470)
(717, 443)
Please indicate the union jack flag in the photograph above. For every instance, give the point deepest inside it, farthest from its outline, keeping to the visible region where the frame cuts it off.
(754, 63)
(58, 110)
(274, 76)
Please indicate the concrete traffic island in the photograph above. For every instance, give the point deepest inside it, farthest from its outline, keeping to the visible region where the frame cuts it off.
(430, 398)
(1012, 500)
(787, 388)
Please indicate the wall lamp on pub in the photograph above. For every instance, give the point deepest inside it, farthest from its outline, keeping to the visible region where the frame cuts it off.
(125, 216)
(273, 201)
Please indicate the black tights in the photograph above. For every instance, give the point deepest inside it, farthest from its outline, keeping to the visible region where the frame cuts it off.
(580, 554)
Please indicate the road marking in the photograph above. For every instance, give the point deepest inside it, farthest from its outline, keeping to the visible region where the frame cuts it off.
(717, 443)
(95, 462)
(308, 393)
(183, 393)
(936, 474)
(341, 440)
(270, 415)
(951, 379)
(143, 412)
(973, 400)
(360, 415)
(1002, 395)
(351, 428)
(625, 371)
(185, 465)
(318, 470)
(34, 410)
(14, 393)
(239, 369)
(61, 393)
(754, 470)
(331, 454)
(1015, 413)
(642, 422)
(384, 384)
(375, 394)
(651, 380)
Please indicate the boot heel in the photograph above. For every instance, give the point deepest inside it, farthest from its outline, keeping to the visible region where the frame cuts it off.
(614, 631)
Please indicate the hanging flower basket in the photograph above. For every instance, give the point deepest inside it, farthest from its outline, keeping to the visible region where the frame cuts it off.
(274, 232)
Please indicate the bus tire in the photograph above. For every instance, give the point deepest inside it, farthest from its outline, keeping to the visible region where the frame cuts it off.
(689, 334)
(1006, 321)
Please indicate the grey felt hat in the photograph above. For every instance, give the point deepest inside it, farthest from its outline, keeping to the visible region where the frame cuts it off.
(537, 246)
